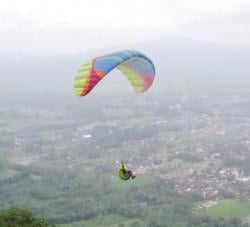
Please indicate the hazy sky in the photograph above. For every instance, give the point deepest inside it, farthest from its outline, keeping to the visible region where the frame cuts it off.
(68, 26)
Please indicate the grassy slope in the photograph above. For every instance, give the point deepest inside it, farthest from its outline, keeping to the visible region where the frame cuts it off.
(229, 209)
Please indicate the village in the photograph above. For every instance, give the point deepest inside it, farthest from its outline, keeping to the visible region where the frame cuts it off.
(203, 152)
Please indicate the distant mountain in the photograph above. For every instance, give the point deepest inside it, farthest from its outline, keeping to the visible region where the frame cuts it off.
(179, 63)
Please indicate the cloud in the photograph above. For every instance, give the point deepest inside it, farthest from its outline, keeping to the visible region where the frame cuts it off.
(222, 25)
(65, 26)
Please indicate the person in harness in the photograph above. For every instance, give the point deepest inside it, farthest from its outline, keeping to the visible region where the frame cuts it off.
(125, 174)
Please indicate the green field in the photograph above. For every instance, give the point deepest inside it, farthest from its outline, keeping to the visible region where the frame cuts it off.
(103, 221)
(229, 208)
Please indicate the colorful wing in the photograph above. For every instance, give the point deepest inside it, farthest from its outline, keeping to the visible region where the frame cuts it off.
(139, 70)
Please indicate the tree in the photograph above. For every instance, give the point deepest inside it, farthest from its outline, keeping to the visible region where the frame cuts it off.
(19, 217)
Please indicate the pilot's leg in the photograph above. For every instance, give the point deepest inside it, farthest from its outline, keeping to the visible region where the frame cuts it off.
(131, 174)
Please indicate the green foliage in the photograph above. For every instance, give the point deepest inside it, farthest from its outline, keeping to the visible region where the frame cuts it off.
(18, 217)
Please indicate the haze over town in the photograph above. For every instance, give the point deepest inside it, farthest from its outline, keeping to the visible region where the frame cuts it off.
(186, 138)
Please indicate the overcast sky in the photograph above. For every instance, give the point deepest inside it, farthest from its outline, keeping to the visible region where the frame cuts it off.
(69, 26)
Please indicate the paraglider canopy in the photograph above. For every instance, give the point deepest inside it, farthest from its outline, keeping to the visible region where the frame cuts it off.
(138, 69)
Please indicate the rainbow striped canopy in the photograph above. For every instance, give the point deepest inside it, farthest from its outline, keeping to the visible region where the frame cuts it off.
(139, 70)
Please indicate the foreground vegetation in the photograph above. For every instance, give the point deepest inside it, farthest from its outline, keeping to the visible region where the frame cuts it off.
(18, 217)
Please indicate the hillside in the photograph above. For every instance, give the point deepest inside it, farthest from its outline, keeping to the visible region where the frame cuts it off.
(179, 62)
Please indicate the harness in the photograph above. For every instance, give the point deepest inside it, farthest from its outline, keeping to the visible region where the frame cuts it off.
(123, 174)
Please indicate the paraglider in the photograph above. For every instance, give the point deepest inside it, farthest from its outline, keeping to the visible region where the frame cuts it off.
(138, 69)
(124, 173)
